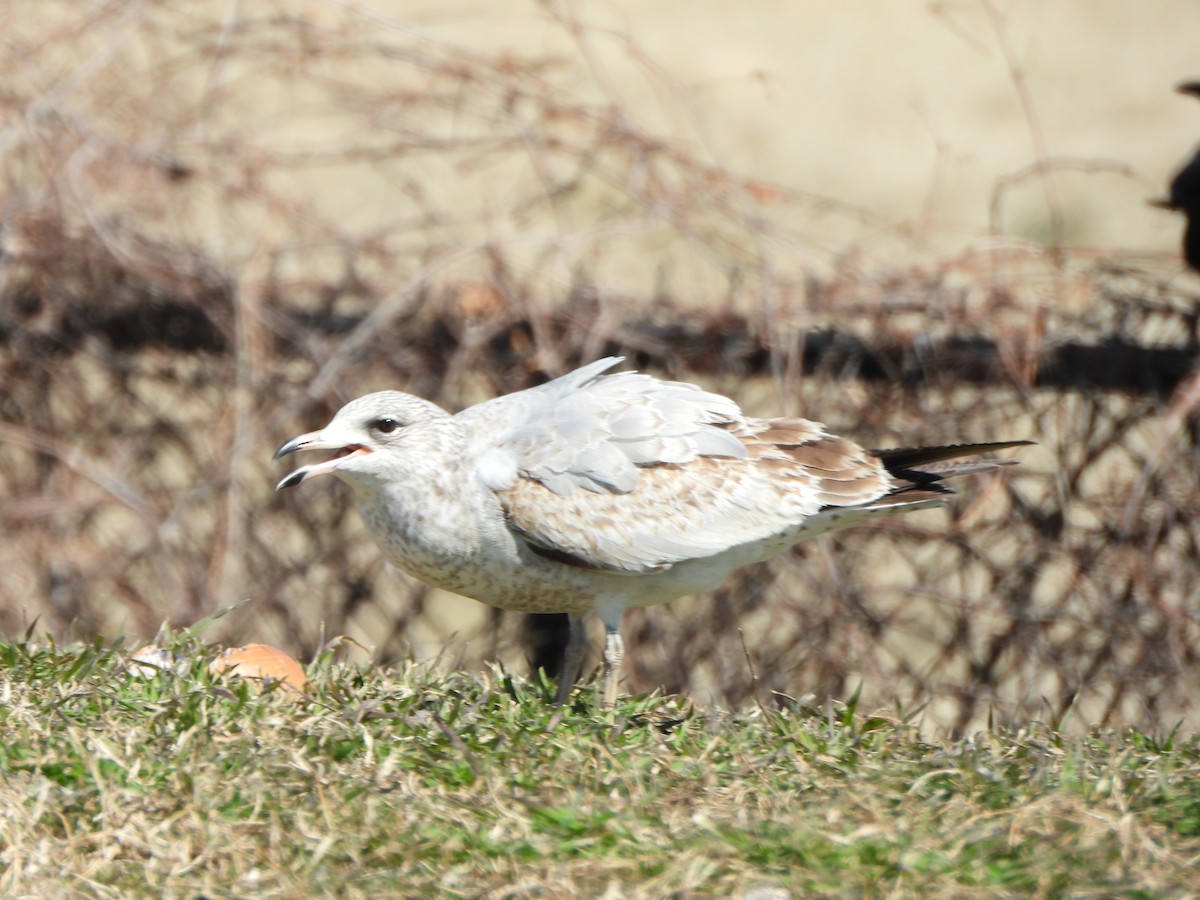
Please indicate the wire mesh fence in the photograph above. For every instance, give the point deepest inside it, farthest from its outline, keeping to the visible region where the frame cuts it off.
(149, 370)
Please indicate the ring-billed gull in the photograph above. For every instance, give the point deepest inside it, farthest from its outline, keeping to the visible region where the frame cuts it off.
(595, 492)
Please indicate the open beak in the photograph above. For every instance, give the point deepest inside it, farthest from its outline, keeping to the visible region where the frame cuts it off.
(316, 440)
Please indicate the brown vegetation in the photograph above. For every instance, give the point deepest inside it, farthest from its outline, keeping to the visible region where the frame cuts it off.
(176, 297)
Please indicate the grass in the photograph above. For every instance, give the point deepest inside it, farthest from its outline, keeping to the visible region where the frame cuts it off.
(406, 782)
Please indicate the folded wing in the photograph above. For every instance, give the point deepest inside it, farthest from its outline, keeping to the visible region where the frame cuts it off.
(631, 474)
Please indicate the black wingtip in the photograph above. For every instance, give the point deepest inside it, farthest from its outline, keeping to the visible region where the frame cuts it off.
(905, 457)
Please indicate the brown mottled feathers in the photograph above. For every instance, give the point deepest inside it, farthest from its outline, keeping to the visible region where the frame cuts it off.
(793, 473)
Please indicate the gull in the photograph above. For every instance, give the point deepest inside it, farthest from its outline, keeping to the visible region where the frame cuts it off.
(596, 492)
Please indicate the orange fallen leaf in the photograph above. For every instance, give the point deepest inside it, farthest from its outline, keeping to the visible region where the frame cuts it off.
(260, 661)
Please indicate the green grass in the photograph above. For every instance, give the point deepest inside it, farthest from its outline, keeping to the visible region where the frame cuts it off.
(405, 782)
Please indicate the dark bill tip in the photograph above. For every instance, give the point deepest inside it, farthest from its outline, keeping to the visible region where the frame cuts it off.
(292, 480)
(290, 447)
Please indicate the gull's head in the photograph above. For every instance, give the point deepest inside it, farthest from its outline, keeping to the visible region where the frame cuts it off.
(365, 436)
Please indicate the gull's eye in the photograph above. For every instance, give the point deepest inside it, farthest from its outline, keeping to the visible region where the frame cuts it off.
(385, 424)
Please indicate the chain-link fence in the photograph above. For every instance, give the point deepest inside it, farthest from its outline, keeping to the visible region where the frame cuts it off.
(150, 368)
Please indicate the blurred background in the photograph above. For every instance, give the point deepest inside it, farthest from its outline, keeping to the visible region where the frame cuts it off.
(917, 222)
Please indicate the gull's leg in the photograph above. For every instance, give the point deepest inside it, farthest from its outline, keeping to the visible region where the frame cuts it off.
(614, 652)
(572, 657)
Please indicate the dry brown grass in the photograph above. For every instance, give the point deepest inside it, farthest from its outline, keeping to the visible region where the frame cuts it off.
(215, 230)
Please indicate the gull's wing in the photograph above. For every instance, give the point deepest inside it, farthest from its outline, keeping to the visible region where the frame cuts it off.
(589, 431)
(628, 473)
